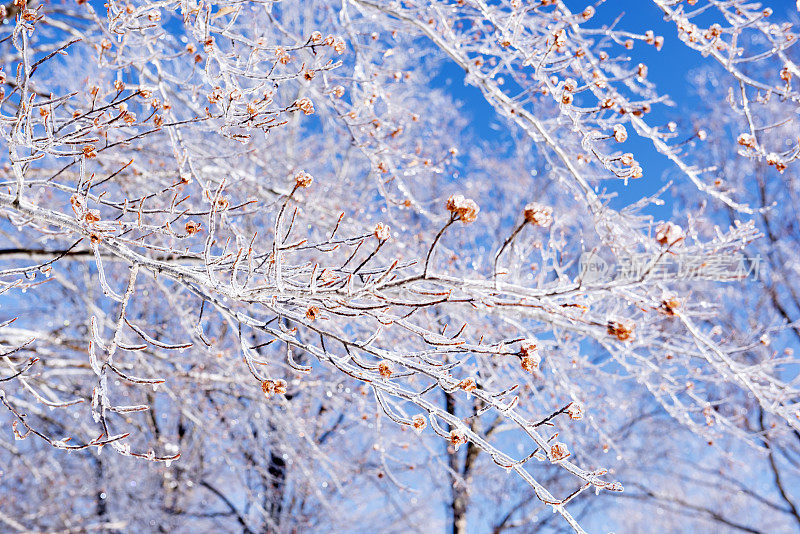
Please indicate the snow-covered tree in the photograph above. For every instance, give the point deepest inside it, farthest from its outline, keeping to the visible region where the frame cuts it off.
(261, 270)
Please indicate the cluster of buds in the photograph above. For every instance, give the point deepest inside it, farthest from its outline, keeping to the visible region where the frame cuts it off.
(221, 203)
(457, 438)
(636, 112)
(669, 233)
(621, 329)
(653, 39)
(338, 91)
(620, 133)
(715, 30)
(575, 411)
(600, 80)
(91, 216)
(774, 160)
(560, 39)
(312, 313)
(252, 108)
(558, 452)
(468, 384)
(688, 31)
(215, 95)
(305, 105)
(193, 227)
(128, 116)
(89, 151)
(382, 232)
(529, 356)
(636, 172)
(747, 140)
(30, 14)
(78, 206)
(465, 209)
(708, 413)
(419, 423)
(282, 56)
(786, 74)
(234, 95)
(337, 43)
(538, 214)
(384, 369)
(303, 179)
(670, 306)
(587, 13)
(570, 86)
(273, 387)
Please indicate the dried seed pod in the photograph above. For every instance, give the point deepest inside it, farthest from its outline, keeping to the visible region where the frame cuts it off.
(669, 233)
(558, 452)
(747, 140)
(457, 438)
(620, 133)
(529, 356)
(273, 387)
(382, 232)
(468, 384)
(465, 209)
(193, 227)
(303, 179)
(384, 369)
(539, 214)
(622, 329)
(305, 105)
(419, 423)
(575, 411)
(670, 305)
